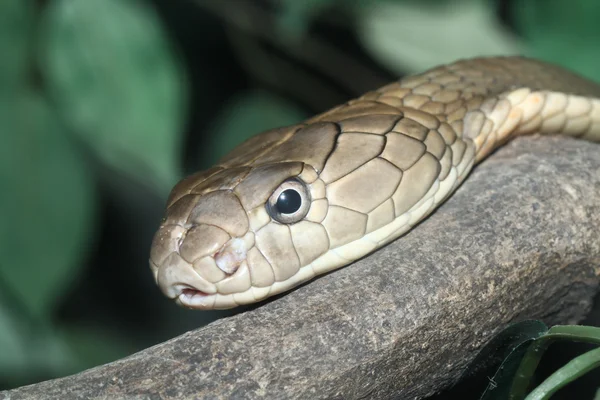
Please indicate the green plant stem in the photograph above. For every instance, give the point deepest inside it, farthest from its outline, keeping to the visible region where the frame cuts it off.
(535, 352)
(574, 369)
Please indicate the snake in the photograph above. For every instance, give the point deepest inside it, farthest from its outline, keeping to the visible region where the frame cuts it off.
(295, 202)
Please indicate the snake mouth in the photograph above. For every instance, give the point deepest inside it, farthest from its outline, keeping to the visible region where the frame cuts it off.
(194, 298)
(192, 293)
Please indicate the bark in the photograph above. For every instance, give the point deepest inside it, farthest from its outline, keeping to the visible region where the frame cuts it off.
(519, 240)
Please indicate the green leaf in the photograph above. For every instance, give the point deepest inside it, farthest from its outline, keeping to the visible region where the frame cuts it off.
(512, 343)
(46, 206)
(244, 116)
(563, 32)
(412, 36)
(115, 78)
(16, 23)
(574, 369)
(532, 357)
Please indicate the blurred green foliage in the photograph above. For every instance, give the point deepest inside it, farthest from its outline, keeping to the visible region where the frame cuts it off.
(243, 117)
(48, 214)
(90, 86)
(565, 33)
(115, 81)
(16, 28)
(111, 89)
(413, 36)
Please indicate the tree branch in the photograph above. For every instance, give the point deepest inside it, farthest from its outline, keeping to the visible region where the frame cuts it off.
(518, 240)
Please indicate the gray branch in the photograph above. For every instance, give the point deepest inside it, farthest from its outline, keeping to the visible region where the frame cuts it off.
(519, 240)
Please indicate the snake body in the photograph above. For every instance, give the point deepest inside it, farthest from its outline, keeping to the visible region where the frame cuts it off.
(298, 201)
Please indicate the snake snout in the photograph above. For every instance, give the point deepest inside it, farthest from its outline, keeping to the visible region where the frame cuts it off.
(182, 260)
(200, 250)
(193, 264)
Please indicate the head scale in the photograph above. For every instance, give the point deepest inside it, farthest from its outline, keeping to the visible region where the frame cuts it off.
(243, 230)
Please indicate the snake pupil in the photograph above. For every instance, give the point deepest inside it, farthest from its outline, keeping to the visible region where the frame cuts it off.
(288, 202)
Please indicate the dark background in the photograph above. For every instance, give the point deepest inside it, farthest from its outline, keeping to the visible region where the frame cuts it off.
(105, 104)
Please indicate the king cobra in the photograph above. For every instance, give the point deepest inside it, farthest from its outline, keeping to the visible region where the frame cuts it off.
(295, 202)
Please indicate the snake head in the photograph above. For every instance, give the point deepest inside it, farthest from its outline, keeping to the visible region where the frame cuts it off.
(291, 204)
(242, 231)
(239, 235)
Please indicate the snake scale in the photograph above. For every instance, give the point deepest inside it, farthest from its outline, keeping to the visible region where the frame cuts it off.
(295, 202)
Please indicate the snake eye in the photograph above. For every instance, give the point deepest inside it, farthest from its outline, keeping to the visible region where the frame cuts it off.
(290, 202)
